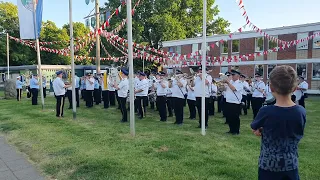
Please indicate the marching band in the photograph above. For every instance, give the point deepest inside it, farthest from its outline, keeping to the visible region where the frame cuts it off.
(233, 92)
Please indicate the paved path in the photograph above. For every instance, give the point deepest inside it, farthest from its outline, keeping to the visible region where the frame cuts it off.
(14, 166)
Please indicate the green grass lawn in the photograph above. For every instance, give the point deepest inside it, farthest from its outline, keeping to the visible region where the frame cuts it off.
(97, 146)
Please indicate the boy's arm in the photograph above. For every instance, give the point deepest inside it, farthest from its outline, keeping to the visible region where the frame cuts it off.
(260, 119)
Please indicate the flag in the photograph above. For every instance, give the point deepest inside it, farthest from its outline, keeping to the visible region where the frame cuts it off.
(26, 19)
(87, 2)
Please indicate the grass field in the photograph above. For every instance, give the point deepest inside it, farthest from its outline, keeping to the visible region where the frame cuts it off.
(97, 147)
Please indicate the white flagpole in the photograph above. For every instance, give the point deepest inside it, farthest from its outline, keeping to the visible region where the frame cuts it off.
(8, 56)
(74, 109)
(38, 52)
(130, 60)
(204, 54)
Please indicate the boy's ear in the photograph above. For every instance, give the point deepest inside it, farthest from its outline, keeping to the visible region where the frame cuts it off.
(271, 88)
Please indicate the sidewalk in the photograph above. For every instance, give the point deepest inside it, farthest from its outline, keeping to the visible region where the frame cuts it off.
(14, 166)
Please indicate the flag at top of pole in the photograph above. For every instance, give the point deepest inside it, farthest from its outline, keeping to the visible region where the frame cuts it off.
(26, 21)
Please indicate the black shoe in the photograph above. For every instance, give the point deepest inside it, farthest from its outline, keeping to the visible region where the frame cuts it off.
(228, 132)
(70, 108)
(179, 124)
(140, 117)
(123, 121)
(175, 122)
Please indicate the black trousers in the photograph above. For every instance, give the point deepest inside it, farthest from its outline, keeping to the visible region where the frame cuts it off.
(223, 102)
(178, 109)
(256, 105)
(142, 102)
(105, 98)
(117, 97)
(29, 92)
(83, 94)
(249, 100)
(19, 91)
(244, 107)
(89, 98)
(301, 102)
(112, 98)
(123, 102)
(162, 108)
(97, 96)
(192, 108)
(59, 105)
(170, 106)
(34, 93)
(219, 103)
(199, 108)
(69, 96)
(211, 107)
(77, 97)
(232, 116)
(44, 92)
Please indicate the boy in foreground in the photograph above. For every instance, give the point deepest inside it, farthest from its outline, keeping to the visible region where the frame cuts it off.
(281, 127)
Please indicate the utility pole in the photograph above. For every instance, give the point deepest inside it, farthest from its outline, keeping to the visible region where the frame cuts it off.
(8, 56)
(74, 109)
(98, 37)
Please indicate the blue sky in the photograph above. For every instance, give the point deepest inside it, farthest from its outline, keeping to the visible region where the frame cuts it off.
(263, 13)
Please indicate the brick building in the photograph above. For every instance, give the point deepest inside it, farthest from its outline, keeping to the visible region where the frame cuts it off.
(304, 57)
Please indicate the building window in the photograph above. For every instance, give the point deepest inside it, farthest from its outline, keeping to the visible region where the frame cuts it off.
(316, 41)
(302, 44)
(316, 71)
(224, 47)
(302, 70)
(235, 44)
(235, 68)
(178, 50)
(273, 44)
(223, 69)
(259, 44)
(258, 69)
(270, 68)
(195, 48)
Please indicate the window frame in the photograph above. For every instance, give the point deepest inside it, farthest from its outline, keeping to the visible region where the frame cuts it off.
(178, 48)
(224, 67)
(255, 44)
(232, 46)
(222, 48)
(313, 78)
(314, 41)
(254, 72)
(268, 73)
(298, 37)
(269, 41)
(306, 69)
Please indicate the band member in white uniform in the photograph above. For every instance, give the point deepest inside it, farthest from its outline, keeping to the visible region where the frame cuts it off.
(169, 102)
(161, 86)
(198, 93)
(268, 94)
(178, 88)
(122, 90)
(224, 96)
(213, 93)
(191, 99)
(89, 90)
(302, 87)
(19, 85)
(142, 95)
(233, 102)
(59, 89)
(105, 91)
(257, 95)
(245, 91)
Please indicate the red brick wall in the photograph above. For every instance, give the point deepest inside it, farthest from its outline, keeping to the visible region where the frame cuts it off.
(247, 70)
(310, 46)
(287, 53)
(215, 51)
(186, 49)
(247, 47)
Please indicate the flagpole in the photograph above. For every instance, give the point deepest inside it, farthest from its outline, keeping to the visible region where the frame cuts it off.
(130, 60)
(204, 54)
(98, 37)
(8, 56)
(74, 108)
(38, 52)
